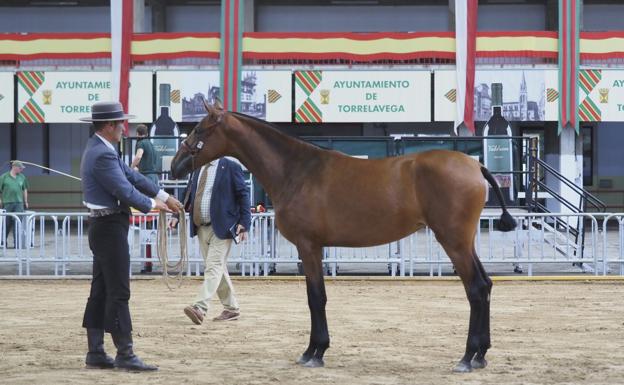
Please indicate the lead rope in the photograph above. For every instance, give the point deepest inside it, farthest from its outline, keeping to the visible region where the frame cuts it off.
(162, 235)
(163, 255)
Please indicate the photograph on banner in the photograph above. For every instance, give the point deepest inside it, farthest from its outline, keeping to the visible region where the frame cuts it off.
(601, 95)
(528, 95)
(187, 92)
(266, 95)
(64, 97)
(362, 96)
(6, 97)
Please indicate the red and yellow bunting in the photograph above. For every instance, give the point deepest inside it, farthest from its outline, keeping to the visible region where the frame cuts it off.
(311, 46)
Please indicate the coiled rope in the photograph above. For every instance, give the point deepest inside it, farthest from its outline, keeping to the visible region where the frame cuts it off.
(162, 236)
(163, 254)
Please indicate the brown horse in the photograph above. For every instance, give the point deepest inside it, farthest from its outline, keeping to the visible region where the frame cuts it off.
(326, 198)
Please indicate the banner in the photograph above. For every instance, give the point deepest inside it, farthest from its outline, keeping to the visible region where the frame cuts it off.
(140, 96)
(528, 95)
(601, 95)
(64, 97)
(6, 97)
(188, 90)
(266, 95)
(362, 96)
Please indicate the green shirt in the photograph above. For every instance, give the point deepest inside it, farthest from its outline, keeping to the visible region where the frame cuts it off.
(12, 189)
(148, 159)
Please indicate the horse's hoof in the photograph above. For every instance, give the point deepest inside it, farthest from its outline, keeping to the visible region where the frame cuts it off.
(303, 359)
(314, 363)
(462, 367)
(478, 363)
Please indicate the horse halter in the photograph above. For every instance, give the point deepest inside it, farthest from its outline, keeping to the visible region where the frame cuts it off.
(193, 150)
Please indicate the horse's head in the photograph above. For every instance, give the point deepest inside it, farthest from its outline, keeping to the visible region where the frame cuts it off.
(204, 144)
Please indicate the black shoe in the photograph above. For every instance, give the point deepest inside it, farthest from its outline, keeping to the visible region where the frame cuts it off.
(126, 359)
(132, 363)
(99, 361)
(97, 357)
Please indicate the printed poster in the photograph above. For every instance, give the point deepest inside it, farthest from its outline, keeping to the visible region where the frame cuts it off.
(266, 95)
(64, 97)
(362, 96)
(528, 95)
(6, 97)
(188, 90)
(601, 95)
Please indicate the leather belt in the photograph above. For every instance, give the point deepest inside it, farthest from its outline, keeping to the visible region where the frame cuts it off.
(96, 213)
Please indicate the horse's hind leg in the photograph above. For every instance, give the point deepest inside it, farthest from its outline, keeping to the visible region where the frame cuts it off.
(478, 287)
(479, 362)
(319, 334)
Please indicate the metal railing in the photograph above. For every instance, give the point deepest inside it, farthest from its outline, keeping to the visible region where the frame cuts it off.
(57, 243)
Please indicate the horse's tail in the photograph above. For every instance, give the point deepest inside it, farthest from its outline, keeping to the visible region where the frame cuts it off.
(506, 222)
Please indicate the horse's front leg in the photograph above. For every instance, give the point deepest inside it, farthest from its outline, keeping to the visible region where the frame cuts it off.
(310, 256)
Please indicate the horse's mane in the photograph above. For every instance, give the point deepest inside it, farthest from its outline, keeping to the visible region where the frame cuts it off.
(273, 129)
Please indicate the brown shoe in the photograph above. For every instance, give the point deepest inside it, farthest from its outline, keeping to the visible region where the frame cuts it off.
(194, 314)
(227, 315)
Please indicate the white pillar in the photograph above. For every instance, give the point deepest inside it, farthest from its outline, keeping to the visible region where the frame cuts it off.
(570, 165)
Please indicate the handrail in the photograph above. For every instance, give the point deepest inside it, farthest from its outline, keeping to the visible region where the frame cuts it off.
(589, 198)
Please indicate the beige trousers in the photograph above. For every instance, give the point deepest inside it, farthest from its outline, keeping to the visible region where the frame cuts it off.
(216, 278)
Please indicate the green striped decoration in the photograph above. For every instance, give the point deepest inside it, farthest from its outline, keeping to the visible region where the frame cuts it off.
(588, 79)
(31, 113)
(308, 80)
(31, 81)
(589, 111)
(308, 113)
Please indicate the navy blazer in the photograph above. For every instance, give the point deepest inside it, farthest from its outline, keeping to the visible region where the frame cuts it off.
(229, 202)
(109, 182)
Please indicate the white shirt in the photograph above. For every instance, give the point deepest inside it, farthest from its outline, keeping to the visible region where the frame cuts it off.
(162, 195)
(205, 198)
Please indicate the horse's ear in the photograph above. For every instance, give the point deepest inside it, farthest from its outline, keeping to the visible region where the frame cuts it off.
(206, 105)
(217, 104)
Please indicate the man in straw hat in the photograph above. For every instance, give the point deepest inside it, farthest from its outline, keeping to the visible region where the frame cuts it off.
(110, 188)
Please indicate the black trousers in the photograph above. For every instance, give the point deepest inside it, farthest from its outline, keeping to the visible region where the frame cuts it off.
(107, 307)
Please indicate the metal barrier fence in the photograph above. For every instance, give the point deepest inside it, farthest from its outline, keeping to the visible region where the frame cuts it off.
(57, 243)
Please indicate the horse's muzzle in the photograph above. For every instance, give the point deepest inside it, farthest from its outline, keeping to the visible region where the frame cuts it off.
(181, 165)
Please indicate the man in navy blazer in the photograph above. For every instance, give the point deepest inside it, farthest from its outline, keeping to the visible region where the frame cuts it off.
(217, 199)
(110, 188)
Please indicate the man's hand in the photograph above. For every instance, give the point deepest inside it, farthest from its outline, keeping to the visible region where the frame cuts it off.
(26, 204)
(162, 206)
(173, 222)
(174, 204)
(240, 230)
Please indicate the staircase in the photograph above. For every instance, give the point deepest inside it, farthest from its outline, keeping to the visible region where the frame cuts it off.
(568, 236)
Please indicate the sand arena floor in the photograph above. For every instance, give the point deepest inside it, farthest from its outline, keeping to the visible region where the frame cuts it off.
(383, 332)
